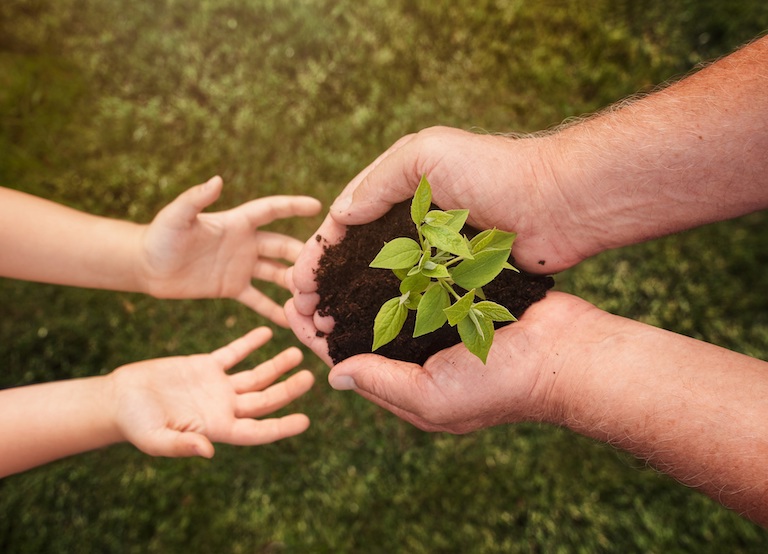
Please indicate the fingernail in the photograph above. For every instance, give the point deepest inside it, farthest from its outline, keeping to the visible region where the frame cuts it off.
(342, 203)
(343, 382)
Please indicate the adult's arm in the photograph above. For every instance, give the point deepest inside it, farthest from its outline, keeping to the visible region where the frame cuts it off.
(690, 153)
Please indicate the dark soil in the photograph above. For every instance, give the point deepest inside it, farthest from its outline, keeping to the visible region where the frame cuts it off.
(352, 293)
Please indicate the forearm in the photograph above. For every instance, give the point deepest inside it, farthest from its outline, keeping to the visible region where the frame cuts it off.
(693, 410)
(46, 242)
(687, 155)
(46, 422)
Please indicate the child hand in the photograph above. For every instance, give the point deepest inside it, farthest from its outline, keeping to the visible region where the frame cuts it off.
(179, 406)
(189, 254)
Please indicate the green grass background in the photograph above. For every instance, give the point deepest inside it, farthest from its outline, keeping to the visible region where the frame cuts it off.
(116, 107)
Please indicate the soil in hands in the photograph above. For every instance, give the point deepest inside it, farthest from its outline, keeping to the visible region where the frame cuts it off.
(352, 293)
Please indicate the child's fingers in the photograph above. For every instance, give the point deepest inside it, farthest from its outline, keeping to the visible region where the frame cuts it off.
(271, 271)
(278, 246)
(251, 432)
(186, 207)
(263, 211)
(259, 404)
(176, 444)
(237, 350)
(263, 304)
(267, 372)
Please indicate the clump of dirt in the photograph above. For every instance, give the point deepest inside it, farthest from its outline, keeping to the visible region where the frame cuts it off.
(352, 293)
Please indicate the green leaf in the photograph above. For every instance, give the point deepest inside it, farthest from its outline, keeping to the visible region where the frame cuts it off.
(438, 218)
(389, 321)
(445, 238)
(430, 315)
(414, 299)
(422, 200)
(494, 311)
(460, 309)
(458, 219)
(400, 273)
(415, 283)
(436, 271)
(478, 272)
(492, 239)
(477, 335)
(400, 253)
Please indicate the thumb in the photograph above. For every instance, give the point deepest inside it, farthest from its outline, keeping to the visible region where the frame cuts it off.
(186, 207)
(390, 179)
(391, 384)
(177, 444)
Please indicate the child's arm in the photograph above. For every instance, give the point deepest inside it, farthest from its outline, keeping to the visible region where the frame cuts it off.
(183, 253)
(173, 407)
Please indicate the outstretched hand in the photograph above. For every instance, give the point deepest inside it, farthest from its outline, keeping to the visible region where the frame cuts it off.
(190, 254)
(179, 406)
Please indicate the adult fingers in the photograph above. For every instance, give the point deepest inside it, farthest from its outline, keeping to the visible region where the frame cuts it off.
(304, 328)
(392, 178)
(306, 264)
(306, 303)
(349, 190)
(392, 384)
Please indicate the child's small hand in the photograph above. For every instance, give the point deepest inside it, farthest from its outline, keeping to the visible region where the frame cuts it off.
(189, 254)
(179, 406)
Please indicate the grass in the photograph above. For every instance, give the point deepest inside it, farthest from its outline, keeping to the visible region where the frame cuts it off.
(116, 107)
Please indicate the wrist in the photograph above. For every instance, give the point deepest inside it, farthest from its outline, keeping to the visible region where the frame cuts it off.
(584, 347)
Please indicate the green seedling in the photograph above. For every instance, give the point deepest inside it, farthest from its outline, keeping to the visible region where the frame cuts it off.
(434, 267)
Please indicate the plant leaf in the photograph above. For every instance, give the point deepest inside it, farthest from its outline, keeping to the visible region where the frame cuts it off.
(492, 239)
(430, 315)
(458, 219)
(422, 200)
(400, 273)
(478, 272)
(389, 321)
(477, 335)
(436, 271)
(415, 283)
(445, 238)
(438, 218)
(399, 253)
(494, 311)
(460, 309)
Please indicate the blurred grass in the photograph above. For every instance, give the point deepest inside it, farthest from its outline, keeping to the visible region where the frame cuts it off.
(116, 107)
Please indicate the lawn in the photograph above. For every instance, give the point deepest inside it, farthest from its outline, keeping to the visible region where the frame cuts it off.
(116, 107)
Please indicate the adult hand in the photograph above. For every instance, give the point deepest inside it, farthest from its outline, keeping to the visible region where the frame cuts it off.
(455, 392)
(504, 182)
(178, 406)
(190, 254)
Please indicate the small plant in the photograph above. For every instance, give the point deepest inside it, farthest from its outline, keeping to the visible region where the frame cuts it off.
(430, 269)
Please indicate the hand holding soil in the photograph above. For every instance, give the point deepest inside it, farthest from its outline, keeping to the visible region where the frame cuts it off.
(338, 295)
